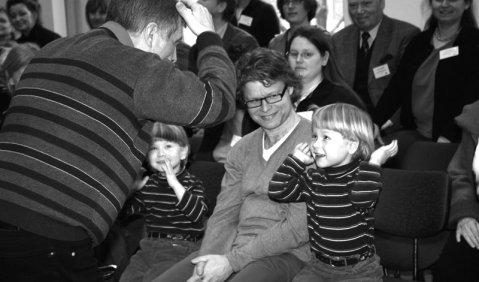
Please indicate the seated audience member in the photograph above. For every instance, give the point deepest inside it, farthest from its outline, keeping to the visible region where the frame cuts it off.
(249, 237)
(218, 140)
(174, 205)
(437, 76)
(7, 36)
(310, 56)
(258, 18)
(459, 260)
(369, 50)
(340, 191)
(95, 12)
(13, 66)
(25, 17)
(297, 13)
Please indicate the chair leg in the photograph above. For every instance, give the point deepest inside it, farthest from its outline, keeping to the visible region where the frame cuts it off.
(415, 259)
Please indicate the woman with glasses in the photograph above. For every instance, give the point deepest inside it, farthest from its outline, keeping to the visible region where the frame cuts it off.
(297, 13)
(309, 55)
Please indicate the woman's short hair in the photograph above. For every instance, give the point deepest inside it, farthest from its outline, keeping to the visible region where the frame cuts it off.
(32, 5)
(353, 123)
(309, 5)
(95, 5)
(268, 67)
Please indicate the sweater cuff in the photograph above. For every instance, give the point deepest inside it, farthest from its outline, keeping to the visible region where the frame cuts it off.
(296, 164)
(235, 261)
(208, 38)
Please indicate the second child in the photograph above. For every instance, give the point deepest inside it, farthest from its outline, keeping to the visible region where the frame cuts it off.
(172, 199)
(340, 193)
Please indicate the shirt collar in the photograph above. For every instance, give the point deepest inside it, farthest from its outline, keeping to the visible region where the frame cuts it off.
(120, 33)
(372, 34)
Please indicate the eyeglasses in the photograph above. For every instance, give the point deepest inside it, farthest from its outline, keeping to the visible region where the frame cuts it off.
(292, 2)
(295, 55)
(271, 99)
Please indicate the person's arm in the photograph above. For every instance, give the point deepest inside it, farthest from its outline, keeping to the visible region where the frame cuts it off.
(367, 186)
(464, 201)
(286, 183)
(193, 204)
(170, 95)
(222, 226)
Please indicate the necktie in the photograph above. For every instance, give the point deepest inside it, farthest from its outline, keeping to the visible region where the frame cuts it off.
(365, 45)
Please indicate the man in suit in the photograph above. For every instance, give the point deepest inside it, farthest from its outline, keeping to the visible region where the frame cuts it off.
(369, 50)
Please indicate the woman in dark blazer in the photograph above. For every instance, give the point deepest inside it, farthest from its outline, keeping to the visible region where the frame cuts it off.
(437, 76)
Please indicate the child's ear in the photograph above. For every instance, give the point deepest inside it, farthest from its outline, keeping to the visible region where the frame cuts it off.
(353, 147)
(184, 152)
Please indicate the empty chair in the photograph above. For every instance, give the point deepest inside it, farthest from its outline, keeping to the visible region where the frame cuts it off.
(413, 205)
(426, 155)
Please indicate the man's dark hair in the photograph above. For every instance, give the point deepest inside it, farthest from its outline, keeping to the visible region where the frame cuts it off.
(268, 67)
(135, 15)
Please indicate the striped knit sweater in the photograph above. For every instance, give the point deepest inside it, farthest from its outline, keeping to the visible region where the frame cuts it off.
(339, 203)
(77, 130)
(164, 213)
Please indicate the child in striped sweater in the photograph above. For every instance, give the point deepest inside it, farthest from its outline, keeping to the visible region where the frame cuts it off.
(173, 203)
(340, 193)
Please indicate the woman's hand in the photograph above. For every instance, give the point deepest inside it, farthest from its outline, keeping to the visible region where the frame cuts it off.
(468, 228)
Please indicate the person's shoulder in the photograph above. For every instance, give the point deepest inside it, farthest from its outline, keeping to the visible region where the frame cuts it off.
(401, 26)
(470, 33)
(261, 5)
(345, 33)
(242, 34)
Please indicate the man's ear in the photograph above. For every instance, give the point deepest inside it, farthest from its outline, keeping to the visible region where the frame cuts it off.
(221, 7)
(150, 34)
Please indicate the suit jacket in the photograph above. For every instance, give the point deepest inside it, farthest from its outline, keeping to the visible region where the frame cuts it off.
(264, 21)
(388, 47)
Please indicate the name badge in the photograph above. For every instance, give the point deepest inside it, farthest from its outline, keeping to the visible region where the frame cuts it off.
(449, 52)
(245, 20)
(381, 71)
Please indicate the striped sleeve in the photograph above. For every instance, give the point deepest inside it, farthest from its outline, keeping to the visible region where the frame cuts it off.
(193, 204)
(288, 182)
(367, 186)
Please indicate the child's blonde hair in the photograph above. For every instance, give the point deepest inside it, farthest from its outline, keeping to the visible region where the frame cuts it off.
(353, 123)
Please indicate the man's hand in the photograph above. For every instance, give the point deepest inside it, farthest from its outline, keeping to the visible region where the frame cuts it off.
(211, 268)
(303, 153)
(196, 16)
(469, 229)
(383, 153)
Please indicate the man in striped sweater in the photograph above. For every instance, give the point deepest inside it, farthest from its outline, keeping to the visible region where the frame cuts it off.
(77, 131)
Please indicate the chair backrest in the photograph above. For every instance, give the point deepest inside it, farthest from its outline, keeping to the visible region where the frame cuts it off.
(413, 204)
(211, 173)
(424, 155)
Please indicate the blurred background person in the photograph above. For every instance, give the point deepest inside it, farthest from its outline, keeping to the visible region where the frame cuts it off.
(258, 18)
(13, 66)
(25, 18)
(7, 35)
(437, 76)
(297, 13)
(95, 12)
(310, 56)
